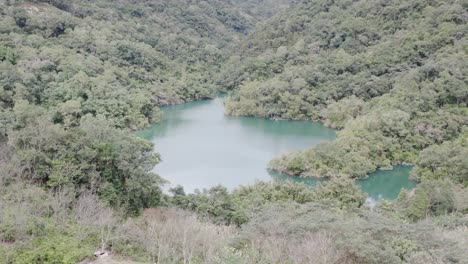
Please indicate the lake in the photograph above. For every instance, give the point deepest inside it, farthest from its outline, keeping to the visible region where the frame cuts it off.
(201, 147)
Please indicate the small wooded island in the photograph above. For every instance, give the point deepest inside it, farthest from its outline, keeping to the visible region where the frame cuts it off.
(115, 147)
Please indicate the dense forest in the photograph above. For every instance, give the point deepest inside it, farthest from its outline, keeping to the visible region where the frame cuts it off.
(391, 75)
(78, 77)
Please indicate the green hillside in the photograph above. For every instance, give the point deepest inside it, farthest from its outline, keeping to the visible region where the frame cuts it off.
(392, 75)
(114, 58)
(79, 77)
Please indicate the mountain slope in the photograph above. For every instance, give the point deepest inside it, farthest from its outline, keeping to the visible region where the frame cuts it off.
(121, 59)
(393, 74)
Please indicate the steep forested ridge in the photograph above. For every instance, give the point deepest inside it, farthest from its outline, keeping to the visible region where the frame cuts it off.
(120, 59)
(77, 76)
(391, 74)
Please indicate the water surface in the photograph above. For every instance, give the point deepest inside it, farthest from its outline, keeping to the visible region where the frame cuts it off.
(201, 147)
(382, 184)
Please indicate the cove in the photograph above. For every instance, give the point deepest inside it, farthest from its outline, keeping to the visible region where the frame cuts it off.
(201, 147)
(382, 184)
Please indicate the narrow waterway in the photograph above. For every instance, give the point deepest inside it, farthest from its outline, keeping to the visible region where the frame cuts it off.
(201, 148)
(382, 184)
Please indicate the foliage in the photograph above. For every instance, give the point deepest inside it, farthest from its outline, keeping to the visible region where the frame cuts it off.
(61, 248)
(244, 203)
(262, 8)
(293, 233)
(77, 76)
(117, 59)
(94, 155)
(394, 88)
(175, 236)
(447, 160)
(431, 197)
(37, 227)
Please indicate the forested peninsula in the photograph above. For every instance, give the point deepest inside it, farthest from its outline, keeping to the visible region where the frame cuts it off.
(79, 77)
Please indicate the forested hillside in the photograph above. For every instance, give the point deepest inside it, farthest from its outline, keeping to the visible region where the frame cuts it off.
(77, 74)
(119, 59)
(392, 75)
(77, 77)
(261, 9)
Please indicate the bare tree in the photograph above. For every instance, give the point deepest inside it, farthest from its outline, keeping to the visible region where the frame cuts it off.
(91, 212)
(106, 223)
(60, 201)
(177, 236)
(5, 171)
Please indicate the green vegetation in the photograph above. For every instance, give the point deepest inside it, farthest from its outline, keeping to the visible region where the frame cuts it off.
(39, 227)
(94, 156)
(261, 9)
(270, 223)
(391, 75)
(117, 59)
(76, 77)
(238, 207)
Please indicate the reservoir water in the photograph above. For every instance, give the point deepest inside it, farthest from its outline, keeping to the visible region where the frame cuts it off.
(201, 147)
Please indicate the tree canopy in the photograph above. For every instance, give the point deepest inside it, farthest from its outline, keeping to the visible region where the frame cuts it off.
(391, 74)
(78, 77)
